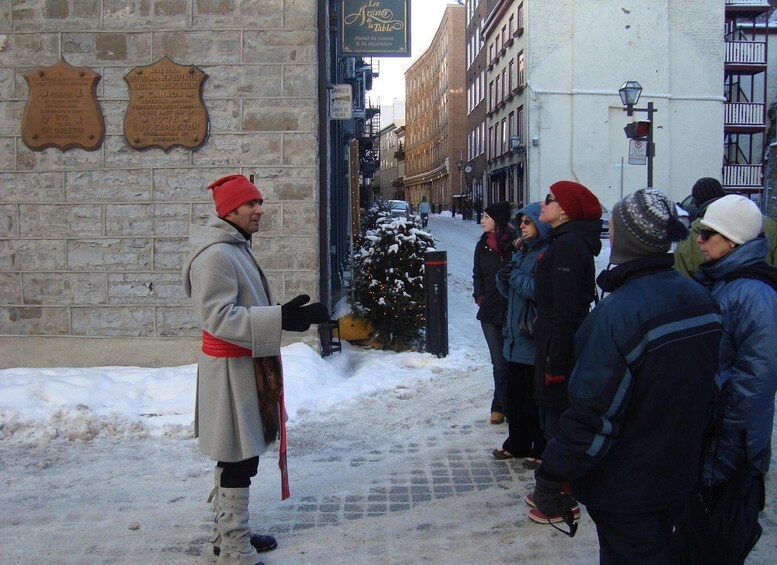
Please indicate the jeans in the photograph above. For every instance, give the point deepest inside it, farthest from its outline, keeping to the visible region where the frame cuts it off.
(424, 220)
(495, 342)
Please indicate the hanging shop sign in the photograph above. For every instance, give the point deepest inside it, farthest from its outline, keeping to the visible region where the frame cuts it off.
(62, 110)
(375, 28)
(166, 108)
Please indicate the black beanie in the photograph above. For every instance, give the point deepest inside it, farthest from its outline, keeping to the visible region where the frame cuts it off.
(500, 212)
(706, 189)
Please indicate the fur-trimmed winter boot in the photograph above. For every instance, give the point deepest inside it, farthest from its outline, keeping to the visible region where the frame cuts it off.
(232, 524)
(261, 543)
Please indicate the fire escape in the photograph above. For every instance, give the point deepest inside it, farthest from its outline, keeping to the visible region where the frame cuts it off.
(745, 90)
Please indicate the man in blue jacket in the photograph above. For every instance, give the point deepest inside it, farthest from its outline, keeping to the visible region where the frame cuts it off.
(640, 393)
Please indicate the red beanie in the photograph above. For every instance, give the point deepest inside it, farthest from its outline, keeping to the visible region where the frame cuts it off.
(578, 202)
(231, 192)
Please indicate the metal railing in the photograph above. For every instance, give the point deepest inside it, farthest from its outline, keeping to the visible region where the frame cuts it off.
(742, 176)
(746, 52)
(747, 3)
(744, 114)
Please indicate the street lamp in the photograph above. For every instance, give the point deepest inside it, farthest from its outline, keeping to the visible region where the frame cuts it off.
(629, 93)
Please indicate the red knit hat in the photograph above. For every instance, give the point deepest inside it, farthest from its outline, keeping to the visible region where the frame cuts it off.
(578, 202)
(231, 192)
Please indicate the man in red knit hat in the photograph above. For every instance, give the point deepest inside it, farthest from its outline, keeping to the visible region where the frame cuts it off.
(239, 406)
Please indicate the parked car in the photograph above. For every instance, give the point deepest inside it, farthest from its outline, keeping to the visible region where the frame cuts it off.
(399, 208)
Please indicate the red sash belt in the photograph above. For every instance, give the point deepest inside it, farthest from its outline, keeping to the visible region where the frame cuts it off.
(215, 347)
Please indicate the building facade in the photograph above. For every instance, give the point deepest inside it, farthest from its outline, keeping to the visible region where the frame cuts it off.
(569, 59)
(92, 240)
(435, 114)
(388, 183)
(477, 106)
(746, 91)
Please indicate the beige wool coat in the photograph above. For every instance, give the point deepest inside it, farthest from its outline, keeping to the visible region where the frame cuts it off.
(232, 301)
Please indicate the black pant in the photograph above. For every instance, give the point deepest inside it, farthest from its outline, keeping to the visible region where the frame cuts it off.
(634, 539)
(525, 435)
(238, 474)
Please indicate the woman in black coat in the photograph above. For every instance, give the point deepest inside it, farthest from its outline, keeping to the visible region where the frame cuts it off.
(564, 289)
(493, 250)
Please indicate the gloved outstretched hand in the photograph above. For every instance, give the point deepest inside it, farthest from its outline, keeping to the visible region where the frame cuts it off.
(296, 317)
(551, 501)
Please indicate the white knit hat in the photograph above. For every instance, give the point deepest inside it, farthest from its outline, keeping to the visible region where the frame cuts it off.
(735, 217)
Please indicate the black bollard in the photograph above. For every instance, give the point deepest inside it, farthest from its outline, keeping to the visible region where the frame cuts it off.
(436, 290)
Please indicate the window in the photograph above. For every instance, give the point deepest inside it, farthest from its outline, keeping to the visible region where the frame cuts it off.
(520, 70)
(490, 96)
(503, 143)
(491, 54)
(490, 148)
(511, 76)
(504, 35)
(519, 29)
(504, 83)
(497, 92)
(510, 26)
(519, 123)
(510, 125)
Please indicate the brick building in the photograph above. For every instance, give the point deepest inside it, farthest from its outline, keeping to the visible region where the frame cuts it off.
(435, 114)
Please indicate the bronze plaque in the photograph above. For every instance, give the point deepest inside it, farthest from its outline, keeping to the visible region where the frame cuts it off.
(166, 106)
(62, 110)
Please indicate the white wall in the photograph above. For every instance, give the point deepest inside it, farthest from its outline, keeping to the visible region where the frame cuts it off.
(578, 55)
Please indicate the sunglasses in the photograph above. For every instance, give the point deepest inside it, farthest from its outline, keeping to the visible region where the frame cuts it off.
(549, 199)
(526, 222)
(705, 233)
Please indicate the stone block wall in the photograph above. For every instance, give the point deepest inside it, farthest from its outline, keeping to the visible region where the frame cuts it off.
(92, 243)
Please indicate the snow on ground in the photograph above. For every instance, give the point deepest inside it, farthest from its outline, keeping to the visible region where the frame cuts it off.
(99, 465)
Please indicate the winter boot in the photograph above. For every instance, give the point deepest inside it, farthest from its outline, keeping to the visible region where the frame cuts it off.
(232, 524)
(260, 542)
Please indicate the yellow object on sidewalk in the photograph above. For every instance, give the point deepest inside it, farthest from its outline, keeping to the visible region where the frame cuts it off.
(352, 329)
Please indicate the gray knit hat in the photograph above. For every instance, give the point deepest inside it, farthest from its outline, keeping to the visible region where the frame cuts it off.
(644, 223)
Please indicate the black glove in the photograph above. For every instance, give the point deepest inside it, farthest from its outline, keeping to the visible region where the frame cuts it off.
(549, 498)
(504, 273)
(297, 318)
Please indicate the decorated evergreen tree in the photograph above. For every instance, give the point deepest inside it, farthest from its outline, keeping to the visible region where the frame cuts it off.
(389, 279)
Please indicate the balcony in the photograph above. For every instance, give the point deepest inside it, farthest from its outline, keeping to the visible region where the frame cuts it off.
(743, 178)
(744, 117)
(745, 55)
(746, 7)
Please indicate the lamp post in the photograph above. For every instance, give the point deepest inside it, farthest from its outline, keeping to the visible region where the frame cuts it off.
(629, 93)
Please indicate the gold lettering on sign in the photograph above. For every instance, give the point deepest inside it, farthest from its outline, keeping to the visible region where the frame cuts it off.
(62, 110)
(375, 18)
(166, 107)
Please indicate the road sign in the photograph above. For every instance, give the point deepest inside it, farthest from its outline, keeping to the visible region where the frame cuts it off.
(341, 102)
(637, 152)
